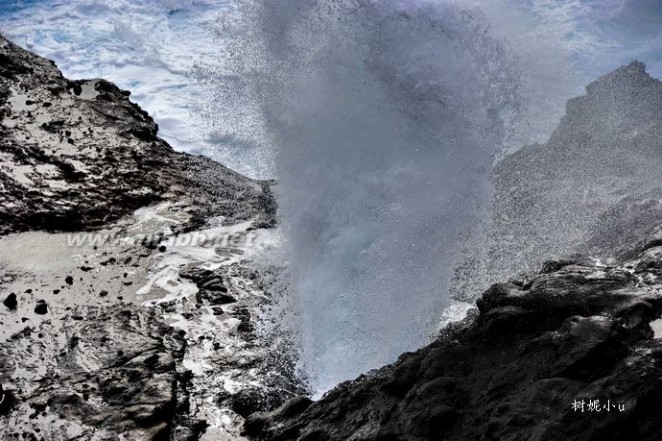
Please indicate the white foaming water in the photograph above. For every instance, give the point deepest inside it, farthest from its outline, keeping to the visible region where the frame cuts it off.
(385, 118)
(152, 47)
(146, 46)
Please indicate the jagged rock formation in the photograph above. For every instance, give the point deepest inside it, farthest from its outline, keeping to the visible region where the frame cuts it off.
(110, 369)
(531, 362)
(576, 193)
(120, 337)
(76, 155)
(539, 347)
(86, 354)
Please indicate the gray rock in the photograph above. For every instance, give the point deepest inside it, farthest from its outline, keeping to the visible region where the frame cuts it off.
(77, 155)
(572, 333)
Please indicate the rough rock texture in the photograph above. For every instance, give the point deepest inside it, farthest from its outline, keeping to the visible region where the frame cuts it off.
(569, 349)
(144, 330)
(103, 371)
(75, 155)
(577, 192)
(576, 332)
(104, 315)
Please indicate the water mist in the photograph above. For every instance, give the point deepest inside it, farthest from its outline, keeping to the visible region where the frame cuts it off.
(384, 118)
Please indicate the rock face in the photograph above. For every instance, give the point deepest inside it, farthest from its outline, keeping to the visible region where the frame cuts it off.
(569, 349)
(75, 155)
(522, 367)
(144, 330)
(595, 179)
(108, 371)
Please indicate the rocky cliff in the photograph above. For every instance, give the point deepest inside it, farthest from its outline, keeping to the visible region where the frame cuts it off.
(77, 155)
(128, 298)
(569, 349)
(588, 185)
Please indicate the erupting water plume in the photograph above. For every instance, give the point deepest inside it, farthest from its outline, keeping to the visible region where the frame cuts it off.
(385, 118)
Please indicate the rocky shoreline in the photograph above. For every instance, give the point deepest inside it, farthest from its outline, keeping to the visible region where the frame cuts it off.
(529, 364)
(131, 295)
(569, 349)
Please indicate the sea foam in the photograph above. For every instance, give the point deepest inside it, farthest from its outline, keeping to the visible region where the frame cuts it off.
(149, 47)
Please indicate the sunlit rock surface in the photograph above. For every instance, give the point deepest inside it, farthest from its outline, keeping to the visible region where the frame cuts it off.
(129, 299)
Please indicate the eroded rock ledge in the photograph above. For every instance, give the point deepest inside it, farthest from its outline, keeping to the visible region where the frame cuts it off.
(575, 332)
(121, 338)
(76, 155)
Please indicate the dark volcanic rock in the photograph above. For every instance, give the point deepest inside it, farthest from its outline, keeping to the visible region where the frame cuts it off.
(41, 308)
(7, 401)
(253, 400)
(75, 155)
(574, 333)
(10, 302)
(210, 285)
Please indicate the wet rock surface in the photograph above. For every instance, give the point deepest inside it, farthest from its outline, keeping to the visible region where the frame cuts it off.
(145, 329)
(530, 362)
(76, 155)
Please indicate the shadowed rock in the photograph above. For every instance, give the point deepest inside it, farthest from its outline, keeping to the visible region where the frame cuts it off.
(572, 334)
(10, 302)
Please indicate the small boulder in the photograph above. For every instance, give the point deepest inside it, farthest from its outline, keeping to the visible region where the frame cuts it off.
(41, 308)
(7, 401)
(10, 302)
